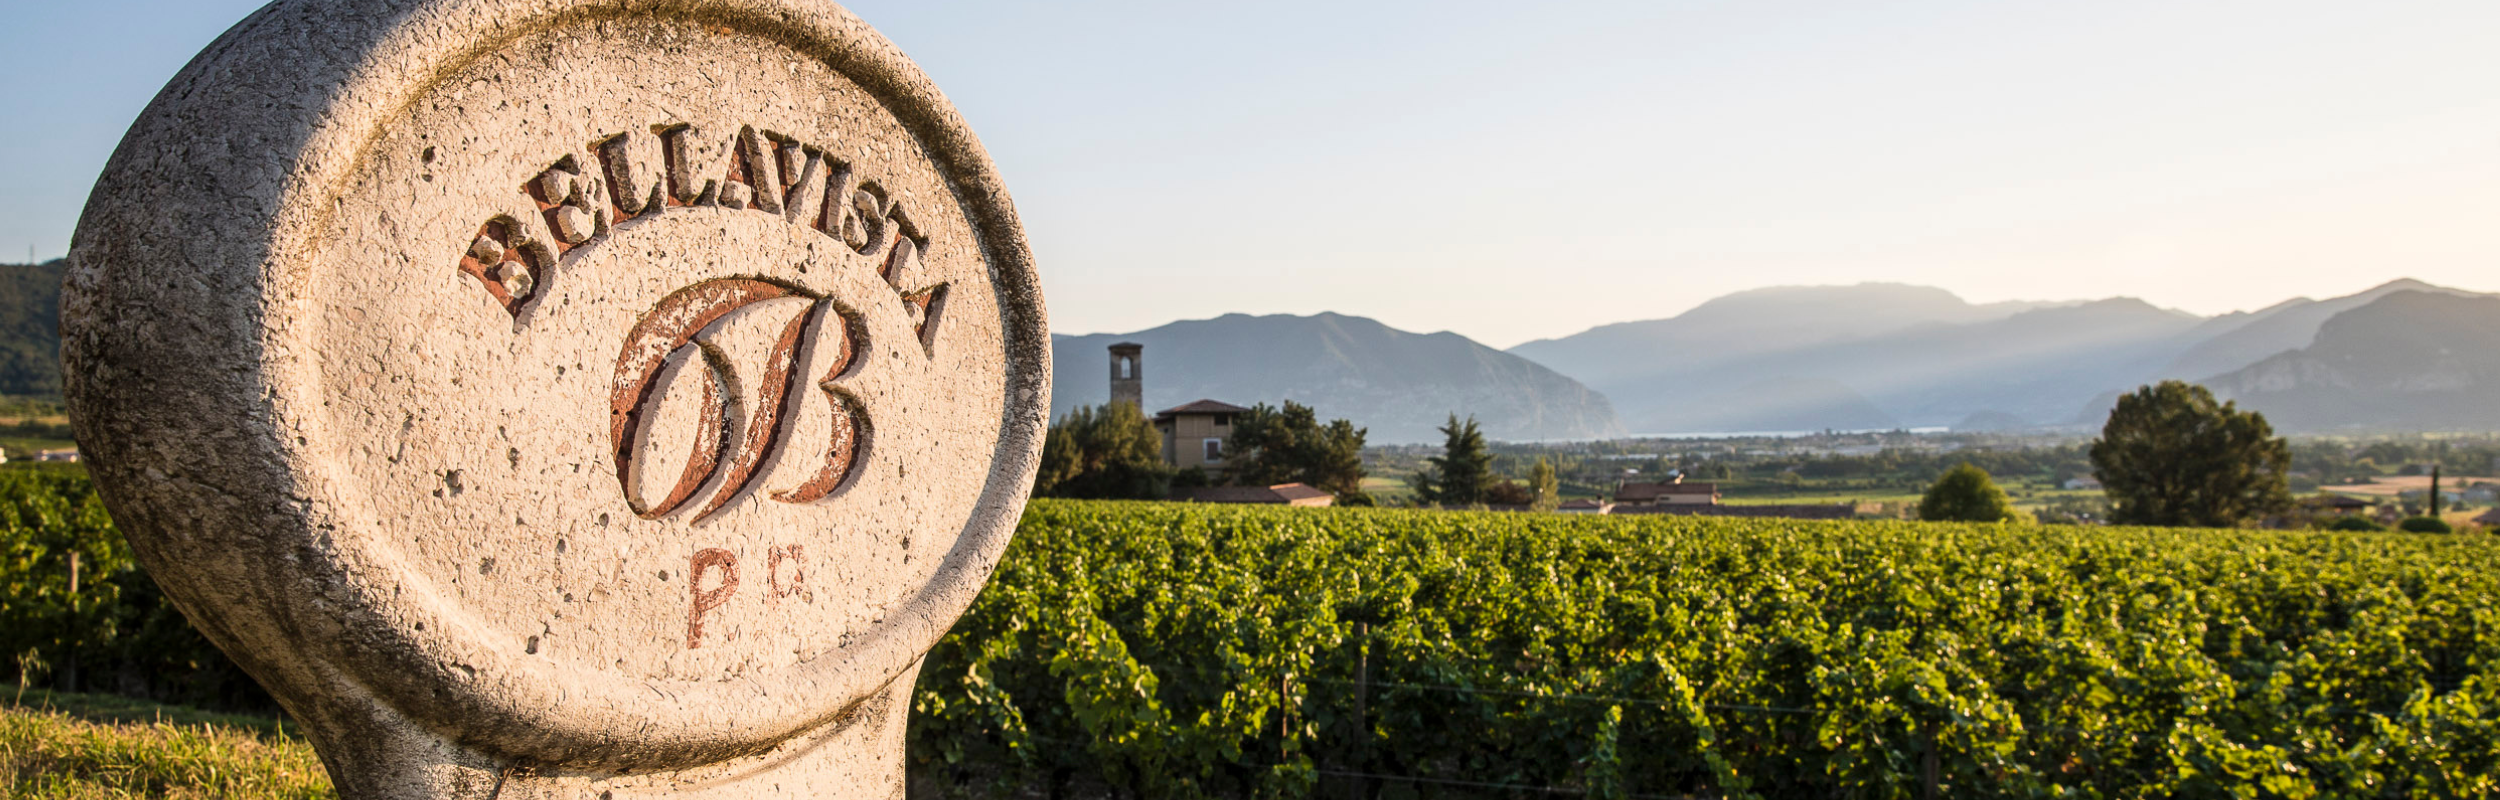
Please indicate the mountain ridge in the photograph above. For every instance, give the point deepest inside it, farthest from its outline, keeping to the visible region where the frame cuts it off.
(2406, 360)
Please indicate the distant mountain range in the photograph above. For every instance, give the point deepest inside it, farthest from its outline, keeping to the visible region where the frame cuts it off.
(2406, 360)
(1886, 355)
(1398, 384)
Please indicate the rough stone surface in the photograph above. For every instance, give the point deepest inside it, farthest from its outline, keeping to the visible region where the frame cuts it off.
(563, 398)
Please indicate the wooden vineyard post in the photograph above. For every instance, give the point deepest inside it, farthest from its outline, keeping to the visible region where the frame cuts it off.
(69, 669)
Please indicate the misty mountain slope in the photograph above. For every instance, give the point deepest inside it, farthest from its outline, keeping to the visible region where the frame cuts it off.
(2035, 365)
(2289, 325)
(2408, 360)
(1766, 405)
(1401, 385)
(1746, 324)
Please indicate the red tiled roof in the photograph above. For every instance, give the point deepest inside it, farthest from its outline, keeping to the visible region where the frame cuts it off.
(1297, 491)
(1201, 407)
(1280, 494)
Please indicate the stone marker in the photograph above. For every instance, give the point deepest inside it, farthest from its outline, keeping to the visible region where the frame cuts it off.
(563, 398)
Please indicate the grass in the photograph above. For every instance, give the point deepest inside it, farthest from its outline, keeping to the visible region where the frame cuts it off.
(57, 746)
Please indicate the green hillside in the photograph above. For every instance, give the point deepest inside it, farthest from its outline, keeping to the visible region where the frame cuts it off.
(30, 328)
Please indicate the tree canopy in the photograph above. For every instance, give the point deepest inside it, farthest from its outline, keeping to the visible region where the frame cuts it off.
(1545, 485)
(1463, 473)
(1270, 445)
(2173, 455)
(1106, 452)
(1966, 494)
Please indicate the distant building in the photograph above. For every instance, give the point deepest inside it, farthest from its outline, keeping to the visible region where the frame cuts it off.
(1283, 494)
(1193, 434)
(2489, 518)
(2342, 504)
(1791, 511)
(2084, 483)
(1585, 506)
(70, 455)
(1673, 491)
(1128, 374)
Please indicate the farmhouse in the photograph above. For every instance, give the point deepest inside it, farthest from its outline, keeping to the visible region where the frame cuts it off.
(1193, 434)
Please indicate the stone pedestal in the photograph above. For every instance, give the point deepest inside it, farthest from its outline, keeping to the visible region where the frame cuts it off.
(563, 398)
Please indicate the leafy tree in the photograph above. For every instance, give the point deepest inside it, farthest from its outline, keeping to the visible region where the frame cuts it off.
(1509, 493)
(1192, 478)
(1107, 452)
(1966, 494)
(1546, 485)
(1271, 446)
(1464, 470)
(2172, 455)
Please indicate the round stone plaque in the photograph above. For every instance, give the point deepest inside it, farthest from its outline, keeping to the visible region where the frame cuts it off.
(549, 396)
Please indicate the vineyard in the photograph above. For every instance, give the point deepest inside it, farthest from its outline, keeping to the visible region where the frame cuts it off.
(1156, 650)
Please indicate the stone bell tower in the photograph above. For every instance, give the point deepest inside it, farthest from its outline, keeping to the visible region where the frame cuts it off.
(1128, 374)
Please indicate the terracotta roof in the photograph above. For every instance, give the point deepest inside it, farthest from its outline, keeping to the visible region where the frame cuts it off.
(1282, 494)
(1652, 491)
(1201, 407)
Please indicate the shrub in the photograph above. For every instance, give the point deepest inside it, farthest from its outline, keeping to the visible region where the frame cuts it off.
(1966, 494)
(2354, 524)
(2425, 525)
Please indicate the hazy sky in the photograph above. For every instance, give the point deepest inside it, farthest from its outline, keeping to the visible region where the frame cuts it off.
(1521, 170)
